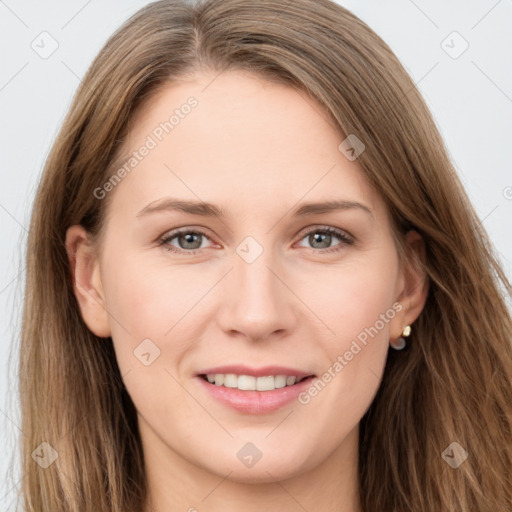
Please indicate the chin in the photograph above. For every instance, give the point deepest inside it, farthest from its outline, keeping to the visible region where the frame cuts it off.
(276, 466)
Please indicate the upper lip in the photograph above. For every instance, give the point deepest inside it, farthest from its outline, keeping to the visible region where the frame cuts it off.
(239, 369)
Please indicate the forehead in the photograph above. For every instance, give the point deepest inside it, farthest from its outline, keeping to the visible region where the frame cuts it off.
(237, 138)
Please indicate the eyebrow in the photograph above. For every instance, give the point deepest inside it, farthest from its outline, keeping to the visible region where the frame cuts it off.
(206, 209)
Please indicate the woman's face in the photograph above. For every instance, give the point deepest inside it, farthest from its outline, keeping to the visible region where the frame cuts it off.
(254, 286)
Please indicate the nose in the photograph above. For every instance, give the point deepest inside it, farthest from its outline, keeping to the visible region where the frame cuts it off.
(256, 301)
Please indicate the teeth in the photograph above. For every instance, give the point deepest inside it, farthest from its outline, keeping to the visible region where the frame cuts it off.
(280, 381)
(247, 382)
(250, 383)
(265, 383)
(230, 380)
(290, 381)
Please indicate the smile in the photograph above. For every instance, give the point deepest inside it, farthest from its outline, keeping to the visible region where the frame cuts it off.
(252, 383)
(253, 391)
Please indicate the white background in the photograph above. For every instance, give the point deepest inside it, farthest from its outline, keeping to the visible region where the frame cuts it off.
(470, 97)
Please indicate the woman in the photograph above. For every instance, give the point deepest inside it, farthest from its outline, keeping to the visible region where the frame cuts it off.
(247, 206)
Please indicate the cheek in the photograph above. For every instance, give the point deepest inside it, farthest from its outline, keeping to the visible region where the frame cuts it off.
(353, 295)
(359, 308)
(145, 305)
(148, 297)
(359, 312)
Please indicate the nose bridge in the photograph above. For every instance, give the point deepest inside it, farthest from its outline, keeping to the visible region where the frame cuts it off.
(257, 282)
(257, 286)
(257, 303)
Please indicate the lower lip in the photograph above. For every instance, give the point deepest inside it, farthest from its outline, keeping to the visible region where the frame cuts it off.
(256, 402)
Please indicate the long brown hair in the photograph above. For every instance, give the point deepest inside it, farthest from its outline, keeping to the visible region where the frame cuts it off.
(452, 384)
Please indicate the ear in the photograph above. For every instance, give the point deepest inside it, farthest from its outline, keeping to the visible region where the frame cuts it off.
(415, 285)
(86, 277)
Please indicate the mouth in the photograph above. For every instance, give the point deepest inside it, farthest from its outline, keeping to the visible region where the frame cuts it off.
(251, 390)
(264, 395)
(245, 382)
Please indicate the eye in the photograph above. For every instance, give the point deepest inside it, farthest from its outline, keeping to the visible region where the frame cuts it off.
(188, 241)
(321, 238)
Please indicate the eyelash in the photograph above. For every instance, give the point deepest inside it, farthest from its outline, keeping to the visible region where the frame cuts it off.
(325, 230)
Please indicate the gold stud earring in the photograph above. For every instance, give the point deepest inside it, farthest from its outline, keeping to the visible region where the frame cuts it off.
(400, 343)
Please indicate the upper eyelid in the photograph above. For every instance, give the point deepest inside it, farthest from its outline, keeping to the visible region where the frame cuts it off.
(177, 231)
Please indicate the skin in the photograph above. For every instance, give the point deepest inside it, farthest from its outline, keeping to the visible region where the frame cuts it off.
(257, 149)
